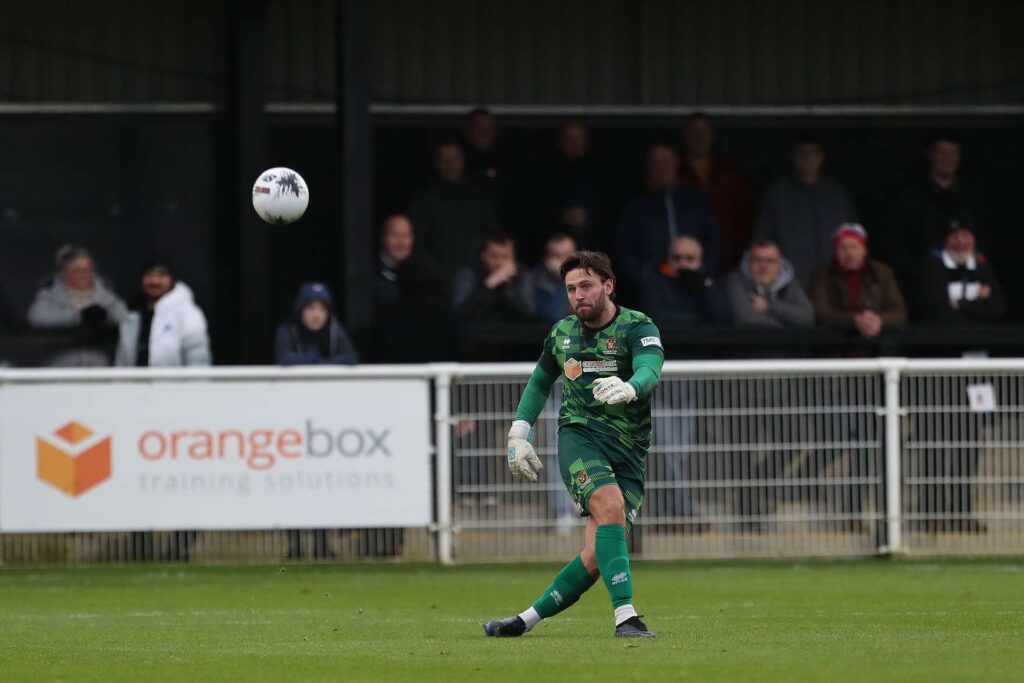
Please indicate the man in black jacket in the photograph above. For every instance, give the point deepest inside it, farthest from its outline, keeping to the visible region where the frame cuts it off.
(409, 293)
(496, 289)
(924, 210)
(960, 285)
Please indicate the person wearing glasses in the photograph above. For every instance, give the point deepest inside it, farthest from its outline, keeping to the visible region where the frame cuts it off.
(764, 292)
(680, 290)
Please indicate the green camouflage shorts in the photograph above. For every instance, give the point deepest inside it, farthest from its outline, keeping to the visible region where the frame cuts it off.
(589, 459)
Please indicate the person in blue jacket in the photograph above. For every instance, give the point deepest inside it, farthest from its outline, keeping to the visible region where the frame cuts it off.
(313, 335)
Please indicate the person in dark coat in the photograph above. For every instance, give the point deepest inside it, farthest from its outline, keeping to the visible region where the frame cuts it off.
(924, 209)
(960, 287)
(800, 213)
(651, 222)
(313, 335)
(409, 293)
(680, 291)
(497, 288)
(724, 184)
(451, 215)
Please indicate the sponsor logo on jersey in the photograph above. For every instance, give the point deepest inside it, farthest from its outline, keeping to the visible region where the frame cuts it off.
(573, 369)
(600, 366)
(609, 346)
(566, 343)
(651, 341)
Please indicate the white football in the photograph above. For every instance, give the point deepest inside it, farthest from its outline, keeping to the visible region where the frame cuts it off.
(280, 196)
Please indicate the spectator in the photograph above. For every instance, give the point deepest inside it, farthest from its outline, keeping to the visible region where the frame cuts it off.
(680, 291)
(313, 336)
(480, 138)
(493, 289)
(450, 215)
(924, 209)
(961, 286)
(487, 168)
(409, 294)
(801, 213)
(550, 301)
(168, 329)
(77, 299)
(653, 221)
(573, 188)
(764, 292)
(723, 183)
(855, 292)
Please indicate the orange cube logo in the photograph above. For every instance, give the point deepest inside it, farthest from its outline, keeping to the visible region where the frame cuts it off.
(75, 461)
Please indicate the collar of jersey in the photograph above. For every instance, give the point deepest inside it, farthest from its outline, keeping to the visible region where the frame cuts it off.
(594, 330)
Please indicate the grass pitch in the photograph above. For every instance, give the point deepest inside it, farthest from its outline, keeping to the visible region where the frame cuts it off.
(857, 621)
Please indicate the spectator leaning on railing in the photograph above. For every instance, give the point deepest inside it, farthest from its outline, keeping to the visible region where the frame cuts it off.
(763, 291)
(855, 292)
(494, 289)
(168, 329)
(76, 298)
(960, 287)
(680, 291)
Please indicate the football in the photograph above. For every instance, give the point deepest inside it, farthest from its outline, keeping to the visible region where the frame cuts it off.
(280, 196)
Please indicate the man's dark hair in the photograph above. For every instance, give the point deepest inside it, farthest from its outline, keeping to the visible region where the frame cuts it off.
(500, 238)
(762, 243)
(806, 138)
(558, 236)
(597, 262)
(937, 136)
(477, 112)
(448, 143)
(695, 116)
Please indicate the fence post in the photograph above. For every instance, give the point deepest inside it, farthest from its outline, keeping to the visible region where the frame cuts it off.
(893, 478)
(443, 463)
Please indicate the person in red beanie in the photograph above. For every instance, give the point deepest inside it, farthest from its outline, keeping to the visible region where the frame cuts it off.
(854, 291)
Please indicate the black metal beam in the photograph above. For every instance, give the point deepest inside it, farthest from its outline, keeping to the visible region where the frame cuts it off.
(352, 96)
(246, 236)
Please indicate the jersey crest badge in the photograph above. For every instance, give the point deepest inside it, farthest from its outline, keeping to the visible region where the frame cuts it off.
(609, 346)
(573, 369)
(581, 477)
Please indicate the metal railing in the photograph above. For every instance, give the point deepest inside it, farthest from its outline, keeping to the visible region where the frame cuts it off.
(765, 459)
(749, 459)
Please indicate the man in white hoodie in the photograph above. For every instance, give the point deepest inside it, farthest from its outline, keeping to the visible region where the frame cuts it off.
(169, 330)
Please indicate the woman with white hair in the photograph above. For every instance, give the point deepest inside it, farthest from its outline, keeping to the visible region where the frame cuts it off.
(77, 299)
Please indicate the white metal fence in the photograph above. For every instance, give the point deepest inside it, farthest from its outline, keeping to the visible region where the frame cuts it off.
(749, 459)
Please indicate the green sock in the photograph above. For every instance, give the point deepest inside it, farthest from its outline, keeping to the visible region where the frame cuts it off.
(613, 561)
(572, 582)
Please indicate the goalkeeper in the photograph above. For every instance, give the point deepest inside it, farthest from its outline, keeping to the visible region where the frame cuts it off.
(611, 359)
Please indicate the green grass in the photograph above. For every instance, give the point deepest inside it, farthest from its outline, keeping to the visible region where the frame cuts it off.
(864, 621)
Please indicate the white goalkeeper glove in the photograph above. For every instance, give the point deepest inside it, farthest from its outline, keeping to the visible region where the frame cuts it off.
(522, 459)
(612, 390)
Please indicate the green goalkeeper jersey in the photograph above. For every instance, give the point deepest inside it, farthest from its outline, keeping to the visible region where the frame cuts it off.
(628, 347)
